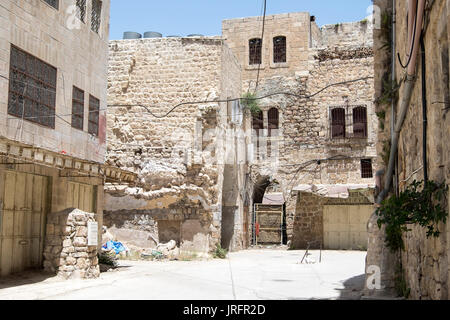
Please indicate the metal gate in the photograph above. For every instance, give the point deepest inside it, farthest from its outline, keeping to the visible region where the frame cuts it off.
(22, 220)
(268, 224)
(345, 226)
(81, 196)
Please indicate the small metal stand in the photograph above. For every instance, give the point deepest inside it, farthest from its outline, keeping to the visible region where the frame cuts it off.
(309, 246)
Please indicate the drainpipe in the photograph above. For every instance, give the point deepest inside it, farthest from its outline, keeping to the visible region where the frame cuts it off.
(393, 79)
(404, 104)
(424, 110)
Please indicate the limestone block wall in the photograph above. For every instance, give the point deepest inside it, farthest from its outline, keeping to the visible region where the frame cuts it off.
(179, 155)
(425, 260)
(80, 56)
(66, 249)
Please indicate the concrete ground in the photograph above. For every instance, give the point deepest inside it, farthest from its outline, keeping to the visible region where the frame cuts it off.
(246, 275)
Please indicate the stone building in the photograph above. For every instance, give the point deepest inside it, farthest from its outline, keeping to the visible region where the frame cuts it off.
(53, 65)
(315, 144)
(422, 151)
(190, 158)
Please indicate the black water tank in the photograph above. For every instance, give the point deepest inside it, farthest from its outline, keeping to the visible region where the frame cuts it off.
(131, 35)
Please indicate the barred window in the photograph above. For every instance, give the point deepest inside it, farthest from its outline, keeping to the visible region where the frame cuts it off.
(81, 10)
(255, 48)
(338, 123)
(366, 168)
(53, 3)
(279, 49)
(360, 122)
(273, 120)
(94, 114)
(32, 88)
(77, 108)
(96, 15)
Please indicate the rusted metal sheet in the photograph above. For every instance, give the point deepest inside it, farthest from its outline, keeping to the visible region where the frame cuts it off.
(22, 216)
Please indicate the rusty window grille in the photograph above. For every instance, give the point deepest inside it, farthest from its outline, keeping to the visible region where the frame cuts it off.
(96, 15)
(32, 89)
(77, 108)
(279, 49)
(366, 168)
(273, 120)
(360, 122)
(81, 10)
(53, 3)
(94, 114)
(338, 123)
(255, 46)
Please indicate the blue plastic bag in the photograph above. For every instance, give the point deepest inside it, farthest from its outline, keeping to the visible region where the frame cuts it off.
(117, 246)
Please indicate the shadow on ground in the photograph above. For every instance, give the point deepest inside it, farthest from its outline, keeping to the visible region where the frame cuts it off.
(353, 288)
(24, 278)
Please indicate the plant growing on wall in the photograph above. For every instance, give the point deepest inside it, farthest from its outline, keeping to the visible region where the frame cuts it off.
(421, 204)
(249, 102)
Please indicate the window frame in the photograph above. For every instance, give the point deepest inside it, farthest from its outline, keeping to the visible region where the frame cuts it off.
(94, 14)
(56, 6)
(272, 125)
(338, 122)
(94, 116)
(81, 14)
(255, 51)
(277, 49)
(44, 85)
(75, 114)
(366, 172)
(362, 116)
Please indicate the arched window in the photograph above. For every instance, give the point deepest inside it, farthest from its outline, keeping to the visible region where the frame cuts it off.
(258, 121)
(338, 123)
(273, 119)
(360, 122)
(279, 49)
(255, 48)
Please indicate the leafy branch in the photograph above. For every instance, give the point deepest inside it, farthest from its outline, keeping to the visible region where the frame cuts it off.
(413, 206)
(249, 102)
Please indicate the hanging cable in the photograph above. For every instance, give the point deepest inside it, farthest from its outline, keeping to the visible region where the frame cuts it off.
(262, 48)
(412, 43)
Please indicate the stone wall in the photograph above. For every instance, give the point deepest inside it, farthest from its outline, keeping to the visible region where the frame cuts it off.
(425, 262)
(66, 249)
(302, 151)
(180, 156)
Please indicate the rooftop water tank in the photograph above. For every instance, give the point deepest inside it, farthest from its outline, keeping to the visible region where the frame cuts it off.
(131, 35)
(173, 36)
(151, 34)
(195, 35)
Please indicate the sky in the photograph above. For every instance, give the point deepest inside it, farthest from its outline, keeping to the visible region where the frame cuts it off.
(183, 17)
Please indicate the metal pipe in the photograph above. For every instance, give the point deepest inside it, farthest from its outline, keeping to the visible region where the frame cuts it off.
(393, 78)
(404, 105)
(424, 111)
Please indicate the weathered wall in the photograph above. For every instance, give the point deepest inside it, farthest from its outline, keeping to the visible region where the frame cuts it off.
(180, 158)
(315, 59)
(80, 56)
(425, 261)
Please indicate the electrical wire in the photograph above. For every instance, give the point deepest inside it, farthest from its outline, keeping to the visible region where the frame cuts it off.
(413, 40)
(262, 42)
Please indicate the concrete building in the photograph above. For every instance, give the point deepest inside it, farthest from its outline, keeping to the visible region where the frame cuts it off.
(190, 158)
(316, 144)
(421, 152)
(53, 66)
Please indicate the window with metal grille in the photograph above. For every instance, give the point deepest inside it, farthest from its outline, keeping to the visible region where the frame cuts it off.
(77, 108)
(32, 88)
(366, 168)
(96, 15)
(279, 49)
(53, 3)
(338, 123)
(255, 46)
(360, 122)
(94, 114)
(273, 119)
(81, 10)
